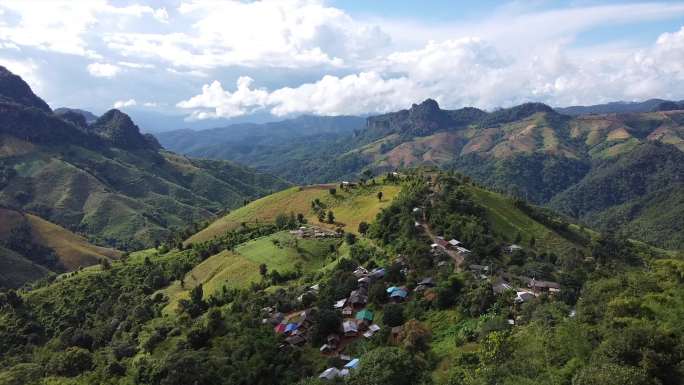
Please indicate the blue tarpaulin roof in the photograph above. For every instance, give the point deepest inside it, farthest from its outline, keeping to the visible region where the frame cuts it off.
(399, 293)
(291, 327)
(352, 364)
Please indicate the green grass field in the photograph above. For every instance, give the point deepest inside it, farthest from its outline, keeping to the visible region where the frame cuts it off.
(239, 268)
(508, 221)
(350, 208)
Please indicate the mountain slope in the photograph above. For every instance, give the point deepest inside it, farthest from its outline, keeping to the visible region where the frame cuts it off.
(31, 247)
(641, 194)
(107, 180)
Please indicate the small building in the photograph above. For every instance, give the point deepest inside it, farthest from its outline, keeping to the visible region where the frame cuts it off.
(501, 287)
(462, 250)
(291, 327)
(360, 272)
(350, 328)
(358, 299)
(399, 295)
(441, 242)
(347, 311)
(366, 281)
(365, 316)
(524, 296)
(333, 340)
(296, 340)
(454, 242)
(427, 281)
(372, 329)
(377, 273)
(544, 286)
(340, 304)
(280, 328)
(326, 348)
(512, 249)
(330, 374)
(353, 364)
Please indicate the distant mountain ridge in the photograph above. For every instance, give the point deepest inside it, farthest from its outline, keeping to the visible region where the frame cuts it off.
(531, 150)
(105, 179)
(649, 105)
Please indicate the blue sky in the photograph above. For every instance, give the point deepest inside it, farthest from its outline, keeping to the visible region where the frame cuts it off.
(202, 63)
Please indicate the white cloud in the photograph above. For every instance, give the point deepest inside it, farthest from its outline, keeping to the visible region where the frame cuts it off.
(289, 33)
(135, 65)
(463, 72)
(27, 69)
(103, 70)
(151, 104)
(59, 26)
(125, 103)
(161, 15)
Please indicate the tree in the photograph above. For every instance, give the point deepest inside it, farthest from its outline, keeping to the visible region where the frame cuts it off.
(379, 195)
(533, 241)
(415, 336)
(331, 217)
(321, 216)
(263, 269)
(363, 228)
(393, 315)
(281, 221)
(332, 191)
(71, 362)
(300, 218)
(350, 238)
(387, 366)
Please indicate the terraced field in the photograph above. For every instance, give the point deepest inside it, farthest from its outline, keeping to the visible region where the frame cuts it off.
(350, 208)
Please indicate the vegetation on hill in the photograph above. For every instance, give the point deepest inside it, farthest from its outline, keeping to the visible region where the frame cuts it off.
(33, 248)
(201, 313)
(106, 180)
(531, 151)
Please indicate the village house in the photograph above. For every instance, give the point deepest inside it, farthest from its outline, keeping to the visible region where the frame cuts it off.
(462, 250)
(340, 303)
(544, 286)
(524, 296)
(454, 243)
(330, 374)
(501, 287)
(350, 328)
(377, 273)
(399, 294)
(360, 272)
(296, 340)
(347, 311)
(372, 329)
(364, 318)
(333, 340)
(425, 284)
(512, 249)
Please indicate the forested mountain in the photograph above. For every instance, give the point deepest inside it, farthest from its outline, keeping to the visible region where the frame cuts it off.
(252, 298)
(531, 150)
(614, 107)
(105, 179)
(291, 149)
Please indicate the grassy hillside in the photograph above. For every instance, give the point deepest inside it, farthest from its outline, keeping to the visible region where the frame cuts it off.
(33, 247)
(238, 268)
(350, 208)
(509, 221)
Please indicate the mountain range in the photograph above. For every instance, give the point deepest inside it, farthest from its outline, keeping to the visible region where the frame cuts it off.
(530, 150)
(100, 178)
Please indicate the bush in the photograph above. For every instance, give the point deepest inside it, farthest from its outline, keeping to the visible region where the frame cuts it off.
(72, 362)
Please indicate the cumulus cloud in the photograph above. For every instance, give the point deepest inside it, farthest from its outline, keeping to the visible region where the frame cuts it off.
(462, 72)
(289, 33)
(103, 70)
(125, 103)
(59, 26)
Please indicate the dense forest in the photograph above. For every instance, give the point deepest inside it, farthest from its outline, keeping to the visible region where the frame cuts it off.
(615, 319)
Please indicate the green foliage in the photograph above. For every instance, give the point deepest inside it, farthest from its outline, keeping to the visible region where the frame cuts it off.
(387, 366)
(393, 315)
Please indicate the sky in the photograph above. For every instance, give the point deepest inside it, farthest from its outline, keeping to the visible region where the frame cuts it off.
(205, 62)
